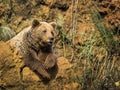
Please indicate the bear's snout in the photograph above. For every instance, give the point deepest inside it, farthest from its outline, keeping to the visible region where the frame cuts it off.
(51, 40)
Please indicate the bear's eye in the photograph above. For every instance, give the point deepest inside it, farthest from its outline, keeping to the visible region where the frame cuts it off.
(44, 31)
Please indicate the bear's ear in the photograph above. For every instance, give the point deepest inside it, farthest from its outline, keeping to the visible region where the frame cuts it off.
(35, 23)
(53, 24)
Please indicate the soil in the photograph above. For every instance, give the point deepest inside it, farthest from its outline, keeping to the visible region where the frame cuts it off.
(84, 62)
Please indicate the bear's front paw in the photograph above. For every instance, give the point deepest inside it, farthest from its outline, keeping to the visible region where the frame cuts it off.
(43, 72)
(50, 61)
(46, 76)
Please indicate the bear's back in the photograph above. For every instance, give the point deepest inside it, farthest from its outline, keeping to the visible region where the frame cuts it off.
(17, 41)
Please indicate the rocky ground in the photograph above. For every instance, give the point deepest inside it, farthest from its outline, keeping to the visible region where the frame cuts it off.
(87, 44)
(12, 78)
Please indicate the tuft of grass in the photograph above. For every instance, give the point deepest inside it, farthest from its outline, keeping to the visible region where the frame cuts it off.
(106, 35)
(64, 38)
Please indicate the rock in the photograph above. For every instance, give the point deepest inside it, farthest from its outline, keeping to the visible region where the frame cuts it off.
(9, 67)
(28, 75)
(63, 66)
(72, 86)
(6, 33)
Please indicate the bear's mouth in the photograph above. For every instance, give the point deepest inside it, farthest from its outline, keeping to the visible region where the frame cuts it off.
(50, 43)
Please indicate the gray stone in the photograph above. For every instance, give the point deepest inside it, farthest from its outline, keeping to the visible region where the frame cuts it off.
(6, 33)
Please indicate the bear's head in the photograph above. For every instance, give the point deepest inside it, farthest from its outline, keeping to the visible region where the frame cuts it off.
(43, 32)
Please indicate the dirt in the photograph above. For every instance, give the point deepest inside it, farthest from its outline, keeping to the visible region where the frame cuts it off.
(84, 63)
(110, 12)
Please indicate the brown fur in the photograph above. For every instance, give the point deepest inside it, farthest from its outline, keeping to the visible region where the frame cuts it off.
(35, 45)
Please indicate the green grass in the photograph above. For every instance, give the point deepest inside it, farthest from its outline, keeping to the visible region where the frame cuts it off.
(106, 35)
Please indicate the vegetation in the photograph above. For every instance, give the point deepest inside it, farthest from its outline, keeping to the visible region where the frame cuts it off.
(99, 54)
(88, 36)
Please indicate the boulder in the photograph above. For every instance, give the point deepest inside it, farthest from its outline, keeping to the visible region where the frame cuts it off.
(6, 33)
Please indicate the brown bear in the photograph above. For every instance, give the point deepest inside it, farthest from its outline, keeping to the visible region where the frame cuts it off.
(35, 46)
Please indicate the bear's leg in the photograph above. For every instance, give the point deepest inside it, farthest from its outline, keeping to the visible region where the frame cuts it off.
(37, 66)
(50, 61)
(33, 54)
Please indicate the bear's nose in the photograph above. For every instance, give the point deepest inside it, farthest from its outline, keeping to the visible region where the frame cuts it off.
(51, 39)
